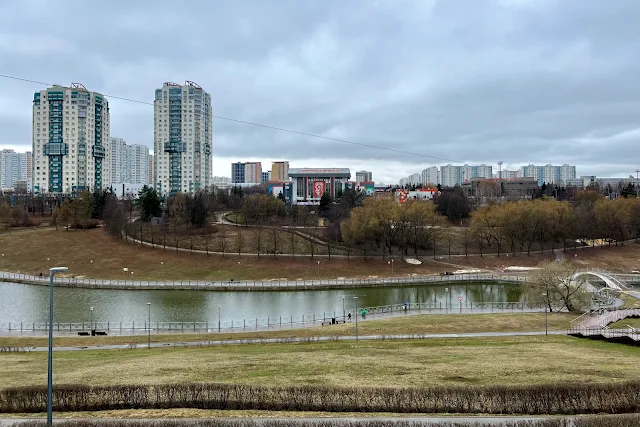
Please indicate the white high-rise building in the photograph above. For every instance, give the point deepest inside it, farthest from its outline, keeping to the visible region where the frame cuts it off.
(70, 140)
(363, 176)
(415, 179)
(14, 169)
(138, 164)
(549, 174)
(118, 161)
(430, 175)
(450, 176)
(129, 163)
(182, 138)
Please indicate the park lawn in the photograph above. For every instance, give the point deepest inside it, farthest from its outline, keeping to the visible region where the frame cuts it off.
(413, 324)
(620, 259)
(625, 323)
(27, 252)
(466, 361)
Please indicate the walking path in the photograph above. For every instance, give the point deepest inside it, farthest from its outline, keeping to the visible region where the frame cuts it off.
(248, 285)
(364, 419)
(40, 329)
(288, 340)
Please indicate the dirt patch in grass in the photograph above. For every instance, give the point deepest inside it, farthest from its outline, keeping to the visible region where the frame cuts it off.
(419, 324)
(478, 361)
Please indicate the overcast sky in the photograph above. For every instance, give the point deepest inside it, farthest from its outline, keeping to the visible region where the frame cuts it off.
(478, 81)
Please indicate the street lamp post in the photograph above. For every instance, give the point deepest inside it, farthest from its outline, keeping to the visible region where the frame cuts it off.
(52, 273)
(637, 171)
(446, 299)
(391, 263)
(91, 325)
(546, 319)
(218, 319)
(318, 270)
(343, 310)
(2, 262)
(355, 313)
(149, 327)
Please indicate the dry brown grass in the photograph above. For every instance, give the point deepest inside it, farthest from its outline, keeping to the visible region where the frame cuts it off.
(625, 323)
(477, 361)
(419, 324)
(27, 252)
(621, 259)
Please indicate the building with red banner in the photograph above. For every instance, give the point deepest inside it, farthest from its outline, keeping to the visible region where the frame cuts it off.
(309, 184)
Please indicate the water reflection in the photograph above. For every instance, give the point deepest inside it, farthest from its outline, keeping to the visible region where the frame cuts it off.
(28, 303)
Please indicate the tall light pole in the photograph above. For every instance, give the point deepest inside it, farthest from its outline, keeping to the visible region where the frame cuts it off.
(318, 270)
(343, 310)
(149, 327)
(91, 325)
(2, 262)
(546, 319)
(218, 319)
(500, 179)
(52, 272)
(355, 313)
(637, 171)
(391, 263)
(446, 299)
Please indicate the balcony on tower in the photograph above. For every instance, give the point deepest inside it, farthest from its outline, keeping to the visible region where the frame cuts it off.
(175, 147)
(98, 151)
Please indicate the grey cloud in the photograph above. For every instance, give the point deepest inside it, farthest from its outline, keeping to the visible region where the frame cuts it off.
(543, 81)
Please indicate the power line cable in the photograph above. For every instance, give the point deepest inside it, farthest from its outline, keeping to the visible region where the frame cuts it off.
(245, 122)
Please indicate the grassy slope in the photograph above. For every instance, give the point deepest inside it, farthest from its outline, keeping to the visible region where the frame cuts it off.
(27, 252)
(420, 324)
(517, 360)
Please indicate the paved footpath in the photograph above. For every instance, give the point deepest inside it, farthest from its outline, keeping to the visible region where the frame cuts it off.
(472, 420)
(295, 340)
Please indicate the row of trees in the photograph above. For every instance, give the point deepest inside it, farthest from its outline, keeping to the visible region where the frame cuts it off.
(519, 226)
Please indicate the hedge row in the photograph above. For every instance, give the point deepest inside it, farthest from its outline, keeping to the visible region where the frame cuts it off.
(592, 421)
(534, 400)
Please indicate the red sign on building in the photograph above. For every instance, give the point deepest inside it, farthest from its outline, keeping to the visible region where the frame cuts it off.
(319, 187)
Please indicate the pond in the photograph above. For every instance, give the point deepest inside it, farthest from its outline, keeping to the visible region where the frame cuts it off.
(29, 303)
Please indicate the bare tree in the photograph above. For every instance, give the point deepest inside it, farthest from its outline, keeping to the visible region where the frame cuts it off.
(239, 241)
(222, 240)
(554, 286)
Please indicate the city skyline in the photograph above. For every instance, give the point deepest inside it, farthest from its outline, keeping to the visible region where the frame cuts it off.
(518, 81)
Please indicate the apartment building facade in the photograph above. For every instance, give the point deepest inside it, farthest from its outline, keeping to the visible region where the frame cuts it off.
(70, 138)
(182, 138)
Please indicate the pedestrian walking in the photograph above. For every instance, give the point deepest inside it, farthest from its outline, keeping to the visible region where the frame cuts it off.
(349, 316)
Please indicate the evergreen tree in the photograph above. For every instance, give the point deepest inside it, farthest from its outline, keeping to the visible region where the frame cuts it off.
(149, 203)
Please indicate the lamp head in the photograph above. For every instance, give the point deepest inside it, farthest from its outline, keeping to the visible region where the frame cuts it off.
(55, 270)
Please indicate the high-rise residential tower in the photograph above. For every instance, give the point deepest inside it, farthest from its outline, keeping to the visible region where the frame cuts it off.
(150, 171)
(118, 161)
(363, 176)
(70, 138)
(138, 164)
(182, 138)
(280, 171)
(14, 169)
(431, 176)
(129, 163)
